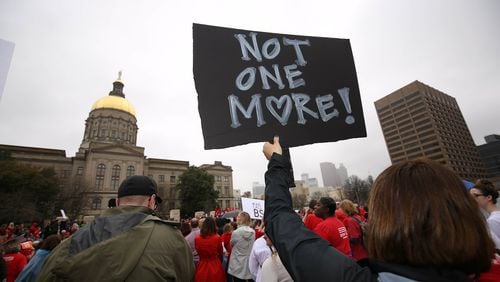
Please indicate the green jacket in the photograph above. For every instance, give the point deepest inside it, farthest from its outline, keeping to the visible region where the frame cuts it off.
(127, 243)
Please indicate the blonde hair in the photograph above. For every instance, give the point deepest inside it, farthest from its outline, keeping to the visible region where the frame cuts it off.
(244, 218)
(348, 207)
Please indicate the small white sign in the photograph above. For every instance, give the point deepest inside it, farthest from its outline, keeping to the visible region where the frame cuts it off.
(254, 207)
(175, 215)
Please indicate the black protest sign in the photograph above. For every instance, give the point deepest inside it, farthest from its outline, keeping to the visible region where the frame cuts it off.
(254, 85)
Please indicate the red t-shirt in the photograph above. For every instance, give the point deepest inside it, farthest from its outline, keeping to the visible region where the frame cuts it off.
(354, 230)
(258, 233)
(332, 230)
(312, 221)
(15, 263)
(340, 214)
(226, 240)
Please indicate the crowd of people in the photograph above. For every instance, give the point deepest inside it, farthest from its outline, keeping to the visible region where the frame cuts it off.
(422, 225)
(25, 249)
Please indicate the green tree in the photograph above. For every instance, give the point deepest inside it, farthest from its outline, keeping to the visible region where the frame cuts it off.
(27, 192)
(196, 191)
(299, 201)
(316, 195)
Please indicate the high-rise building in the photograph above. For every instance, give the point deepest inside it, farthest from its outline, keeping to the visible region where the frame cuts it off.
(420, 121)
(258, 189)
(329, 174)
(342, 172)
(490, 154)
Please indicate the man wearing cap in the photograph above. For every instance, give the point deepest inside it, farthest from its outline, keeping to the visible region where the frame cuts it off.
(126, 243)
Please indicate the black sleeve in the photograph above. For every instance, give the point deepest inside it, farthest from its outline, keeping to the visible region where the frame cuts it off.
(305, 255)
(3, 270)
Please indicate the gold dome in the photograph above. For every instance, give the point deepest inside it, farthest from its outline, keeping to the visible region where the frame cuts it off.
(114, 102)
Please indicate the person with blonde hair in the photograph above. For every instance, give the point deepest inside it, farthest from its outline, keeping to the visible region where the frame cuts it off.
(241, 245)
(424, 226)
(353, 223)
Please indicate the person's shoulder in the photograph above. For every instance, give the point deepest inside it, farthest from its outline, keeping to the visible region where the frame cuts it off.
(495, 215)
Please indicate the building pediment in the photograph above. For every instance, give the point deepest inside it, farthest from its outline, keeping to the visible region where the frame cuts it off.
(117, 149)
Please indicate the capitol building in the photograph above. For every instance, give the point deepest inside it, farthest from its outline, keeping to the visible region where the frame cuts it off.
(108, 154)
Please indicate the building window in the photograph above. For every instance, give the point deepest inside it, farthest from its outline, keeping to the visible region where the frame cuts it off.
(226, 190)
(130, 170)
(115, 177)
(162, 179)
(103, 132)
(172, 179)
(219, 190)
(228, 203)
(226, 179)
(99, 176)
(65, 173)
(96, 204)
(113, 133)
(79, 170)
(218, 178)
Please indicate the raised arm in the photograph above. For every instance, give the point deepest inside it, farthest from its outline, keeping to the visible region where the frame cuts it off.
(306, 256)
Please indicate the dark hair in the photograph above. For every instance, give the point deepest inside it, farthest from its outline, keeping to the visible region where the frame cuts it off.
(422, 215)
(208, 227)
(185, 228)
(312, 203)
(228, 228)
(50, 242)
(234, 225)
(487, 189)
(329, 203)
(194, 223)
(11, 246)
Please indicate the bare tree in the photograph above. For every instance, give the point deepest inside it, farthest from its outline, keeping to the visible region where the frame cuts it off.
(356, 190)
(72, 198)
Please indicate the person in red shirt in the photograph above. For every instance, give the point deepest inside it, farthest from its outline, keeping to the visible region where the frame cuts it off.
(14, 260)
(352, 223)
(311, 220)
(10, 230)
(331, 228)
(34, 231)
(209, 247)
(339, 213)
(258, 229)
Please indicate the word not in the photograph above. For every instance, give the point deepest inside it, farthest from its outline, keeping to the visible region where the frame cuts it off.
(271, 48)
(324, 105)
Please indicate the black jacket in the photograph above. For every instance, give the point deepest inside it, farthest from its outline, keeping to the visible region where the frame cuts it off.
(307, 257)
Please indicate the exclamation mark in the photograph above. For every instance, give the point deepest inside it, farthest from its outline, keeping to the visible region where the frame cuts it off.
(344, 95)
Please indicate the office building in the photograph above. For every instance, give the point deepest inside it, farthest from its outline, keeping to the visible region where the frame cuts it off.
(329, 174)
(490, 154)
(420, 121)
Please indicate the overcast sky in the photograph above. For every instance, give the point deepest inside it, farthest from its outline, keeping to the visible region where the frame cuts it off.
(67, 54)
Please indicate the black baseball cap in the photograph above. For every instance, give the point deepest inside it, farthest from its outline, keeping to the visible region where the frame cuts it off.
(139, 185)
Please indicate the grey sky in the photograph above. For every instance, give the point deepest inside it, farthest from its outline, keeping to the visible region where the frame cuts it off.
(68, 54)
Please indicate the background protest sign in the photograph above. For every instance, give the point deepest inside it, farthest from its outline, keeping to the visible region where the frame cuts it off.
(253, 85)
(255, 208)
(6, 52)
